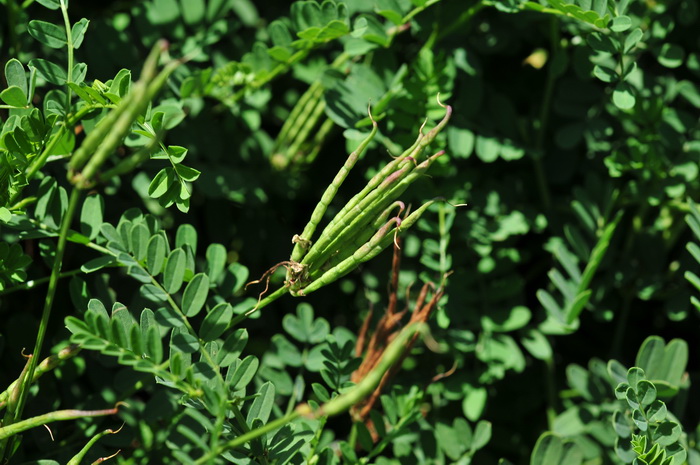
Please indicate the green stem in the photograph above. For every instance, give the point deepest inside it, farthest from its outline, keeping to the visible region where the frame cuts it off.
(247, 437)
(69, 45)
(394, 351)
(316, 439)
(48, 304)
(544, 119)
(444, 239)
(59, 415)
(296, 395)
(261, 304)
(23, 203)
(29, 285)
(40, 161)
(352, 438)
(78, 458)
(458, 24)
(45, 366)
(417, 10)
(335, 406)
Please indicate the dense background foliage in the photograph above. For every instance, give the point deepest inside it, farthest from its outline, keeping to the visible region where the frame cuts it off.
(575, 142)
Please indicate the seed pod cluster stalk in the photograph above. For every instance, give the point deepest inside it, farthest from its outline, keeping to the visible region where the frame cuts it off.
(364, 226)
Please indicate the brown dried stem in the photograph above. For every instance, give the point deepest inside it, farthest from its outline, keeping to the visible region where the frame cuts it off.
(386, 329)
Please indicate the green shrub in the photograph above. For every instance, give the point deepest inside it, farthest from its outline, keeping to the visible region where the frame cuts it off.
(167, 192)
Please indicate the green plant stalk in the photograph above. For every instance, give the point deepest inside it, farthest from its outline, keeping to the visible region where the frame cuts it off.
(45, 366)
(29, 285)
(219, 426)
(597, 254)
(444, 240)
(296, 392)
(247, 437)
(544, 120)
(463, 18)
(316, 439)
(261, 304)
(393, 353)
(340, 404)
(80, 456)
(59, 415)
(48, 303)
(69, 46)
(417, 10)
(40, 161)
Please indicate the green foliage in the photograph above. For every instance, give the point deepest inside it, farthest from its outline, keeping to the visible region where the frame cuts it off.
(693, 220)
(144, 182)
(550, 449)
(652, 436)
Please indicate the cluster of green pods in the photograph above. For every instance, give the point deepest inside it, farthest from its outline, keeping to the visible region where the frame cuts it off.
(367, 224)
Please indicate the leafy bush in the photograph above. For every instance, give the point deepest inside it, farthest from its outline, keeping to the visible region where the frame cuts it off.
(157, 231)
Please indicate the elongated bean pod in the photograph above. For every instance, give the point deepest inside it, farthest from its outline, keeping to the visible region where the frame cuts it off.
(425, 141)
(366, 252)
(328, 195)
(358, 241)
(335, 240)
(360, 216)
(372, 184)
(413, 152)
(380, 241)
(377, 200)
